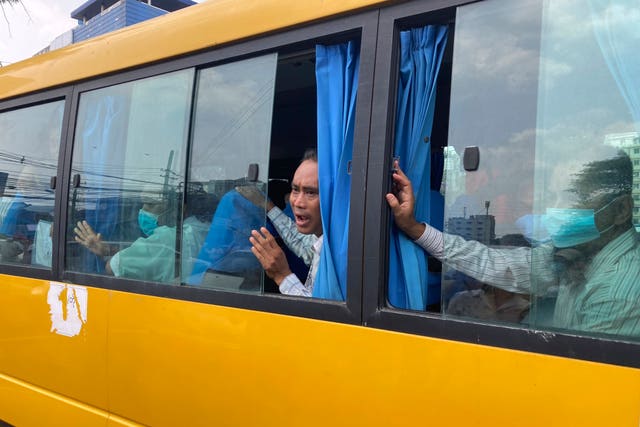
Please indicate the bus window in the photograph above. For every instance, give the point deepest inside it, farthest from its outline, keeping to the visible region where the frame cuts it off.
(29, 145)
(127, 178)
(542, 234)
(254, 121)
(230, 148)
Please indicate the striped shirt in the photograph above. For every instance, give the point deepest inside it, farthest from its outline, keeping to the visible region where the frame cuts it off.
(605, 300)
(306, 246)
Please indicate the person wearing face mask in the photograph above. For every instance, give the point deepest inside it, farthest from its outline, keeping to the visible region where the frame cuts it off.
(152, 257)
(592, 260)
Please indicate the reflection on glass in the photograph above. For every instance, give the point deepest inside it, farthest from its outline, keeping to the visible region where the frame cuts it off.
(548, 220)
(29, 144)
(128, 164)
(493, 106)
(231, 140)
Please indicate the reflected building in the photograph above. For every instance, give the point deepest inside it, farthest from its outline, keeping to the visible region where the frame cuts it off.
(629, 142)
(477, 227)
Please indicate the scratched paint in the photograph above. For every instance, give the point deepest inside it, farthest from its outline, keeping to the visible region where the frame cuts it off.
(67, 307)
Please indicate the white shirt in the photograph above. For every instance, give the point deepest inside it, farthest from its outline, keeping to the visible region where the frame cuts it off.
(306, 246)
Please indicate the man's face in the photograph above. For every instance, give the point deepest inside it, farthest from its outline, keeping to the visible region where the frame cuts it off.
(305, 200)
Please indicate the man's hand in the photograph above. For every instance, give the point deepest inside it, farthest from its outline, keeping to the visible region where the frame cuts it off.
(270, 255)
(88, 238)
(402, 203)
(255, 196)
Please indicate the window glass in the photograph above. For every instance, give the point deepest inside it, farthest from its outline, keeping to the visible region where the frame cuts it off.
(230, 149)
(29, 144)
(543, 233)
(127, 178)
(253, 122)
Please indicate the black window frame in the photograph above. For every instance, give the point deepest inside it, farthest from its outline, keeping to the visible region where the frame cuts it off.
(336, 29)
(376, 312)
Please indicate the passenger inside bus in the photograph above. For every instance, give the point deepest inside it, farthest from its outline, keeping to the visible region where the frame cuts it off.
(22, 218)
(225, 257)
(465, 296)
(153, 257)
(590, 266)
(304, 236)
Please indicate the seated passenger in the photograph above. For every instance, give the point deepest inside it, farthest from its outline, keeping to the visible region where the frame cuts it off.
(303, 237)
(226, 249)
(153, 257)
(17, 229)
(593, 262)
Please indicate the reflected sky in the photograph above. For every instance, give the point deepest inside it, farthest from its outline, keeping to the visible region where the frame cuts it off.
(533, 87)
(29, 144)
(232, 125)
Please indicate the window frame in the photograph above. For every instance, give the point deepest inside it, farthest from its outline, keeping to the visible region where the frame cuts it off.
(376, 312)
(31, 100)
(362, 23)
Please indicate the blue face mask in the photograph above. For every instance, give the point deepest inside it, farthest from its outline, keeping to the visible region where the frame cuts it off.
(147, 221)
(572, 227)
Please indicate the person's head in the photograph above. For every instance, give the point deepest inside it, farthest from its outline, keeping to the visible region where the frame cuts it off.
(154, 210)
(200, 204)
(304, 198)
(603, 208)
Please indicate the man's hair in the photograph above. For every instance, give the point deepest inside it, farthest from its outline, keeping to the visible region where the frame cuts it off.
(199, 203)
(604, 179)
(310, 154)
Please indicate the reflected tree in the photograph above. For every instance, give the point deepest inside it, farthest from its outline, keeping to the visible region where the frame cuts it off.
(607, 178)
(11, 3)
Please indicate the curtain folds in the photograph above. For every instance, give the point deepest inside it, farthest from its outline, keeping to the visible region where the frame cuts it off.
(618, 37)
(421, 52)
(337, 81)
(103, 131)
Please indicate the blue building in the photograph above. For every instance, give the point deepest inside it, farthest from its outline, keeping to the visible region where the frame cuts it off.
(96, 17)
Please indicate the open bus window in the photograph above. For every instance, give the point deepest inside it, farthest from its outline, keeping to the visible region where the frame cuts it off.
(29, 145)
(543, 233)
(254, 120)
(128, 163)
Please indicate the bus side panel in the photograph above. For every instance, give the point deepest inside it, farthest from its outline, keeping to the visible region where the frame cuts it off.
(53, 337)
(180, 363)
(22, 404)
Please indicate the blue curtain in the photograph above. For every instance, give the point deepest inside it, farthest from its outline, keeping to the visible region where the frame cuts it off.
(421, 51)
(617, 34)
(337, 82)
(103, 132)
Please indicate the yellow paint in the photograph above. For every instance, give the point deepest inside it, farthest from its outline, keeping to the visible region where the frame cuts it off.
(164, 362)
(195, 28)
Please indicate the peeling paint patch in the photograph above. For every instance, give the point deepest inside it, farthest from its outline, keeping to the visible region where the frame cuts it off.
(67, 307)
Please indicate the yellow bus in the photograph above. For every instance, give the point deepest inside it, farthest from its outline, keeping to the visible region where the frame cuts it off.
(512, 119)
